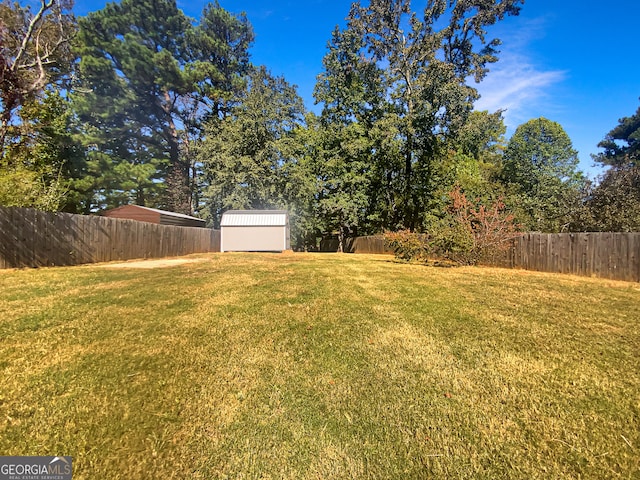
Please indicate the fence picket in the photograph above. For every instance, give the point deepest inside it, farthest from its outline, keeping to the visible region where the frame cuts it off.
(30, 238)
(606, 255)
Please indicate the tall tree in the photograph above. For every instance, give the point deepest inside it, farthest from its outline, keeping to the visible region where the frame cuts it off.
(242, 155)
(300, 150)
(344, 179)
(614, 204)
(34, 54)
(622, 144)
(37, 151)
(351, 90)
(540, 166)
(425, 62)
(149, 76)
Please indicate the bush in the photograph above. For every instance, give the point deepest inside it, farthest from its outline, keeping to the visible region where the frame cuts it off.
(470, 233)
(473, 232)
(451, 241)
(408, 246)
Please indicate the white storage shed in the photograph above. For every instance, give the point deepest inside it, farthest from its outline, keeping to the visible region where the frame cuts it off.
(254, 231)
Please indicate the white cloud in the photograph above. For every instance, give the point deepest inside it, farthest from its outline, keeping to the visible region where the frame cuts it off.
(517, 83)
(518, 87)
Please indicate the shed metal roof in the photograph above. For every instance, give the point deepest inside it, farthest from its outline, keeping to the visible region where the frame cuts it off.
(254, 218)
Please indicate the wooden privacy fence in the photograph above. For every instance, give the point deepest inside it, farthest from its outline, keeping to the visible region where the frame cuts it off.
(30, 238)
(605, 255)
(368, 244)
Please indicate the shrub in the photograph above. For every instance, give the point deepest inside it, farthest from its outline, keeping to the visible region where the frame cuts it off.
(408, 246)
(473, 232)
(470, 233)
(451, 241)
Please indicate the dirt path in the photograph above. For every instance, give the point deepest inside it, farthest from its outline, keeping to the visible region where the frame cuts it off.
(161, 263)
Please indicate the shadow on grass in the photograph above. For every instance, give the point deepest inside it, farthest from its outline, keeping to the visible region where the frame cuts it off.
(428, 263)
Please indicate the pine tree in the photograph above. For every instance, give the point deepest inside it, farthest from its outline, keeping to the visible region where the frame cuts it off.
(149, 76)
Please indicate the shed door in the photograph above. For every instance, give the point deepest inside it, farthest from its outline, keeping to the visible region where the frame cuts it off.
(253, 239)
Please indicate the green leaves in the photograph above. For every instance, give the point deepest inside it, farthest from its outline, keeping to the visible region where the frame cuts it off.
(397, 72)
(540, 165)
(614, 204)
(150, 76)
(622, 144)
(35, 65)
(244, 155)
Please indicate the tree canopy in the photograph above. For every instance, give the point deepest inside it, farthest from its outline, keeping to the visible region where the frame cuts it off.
(403, 76)
(243, 153)
(540, 164)
(149, 76)
(35, 54)
(36, 63)
(614, 204)
(622, 144)
(138, 103)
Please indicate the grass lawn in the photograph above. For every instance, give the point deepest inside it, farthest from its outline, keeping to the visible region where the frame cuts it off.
(320, 366)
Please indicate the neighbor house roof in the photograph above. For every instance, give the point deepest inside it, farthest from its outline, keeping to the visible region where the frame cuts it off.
(170, 214)
(254, 218)
(153, 215)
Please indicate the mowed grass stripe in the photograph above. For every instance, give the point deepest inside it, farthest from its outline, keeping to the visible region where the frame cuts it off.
(320, 366)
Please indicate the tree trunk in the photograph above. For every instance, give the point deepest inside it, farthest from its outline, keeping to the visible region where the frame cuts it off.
(178, 191)
(409, 207)
(179, 177)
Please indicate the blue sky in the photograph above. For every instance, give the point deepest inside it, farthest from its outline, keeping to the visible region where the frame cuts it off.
(571, 61)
